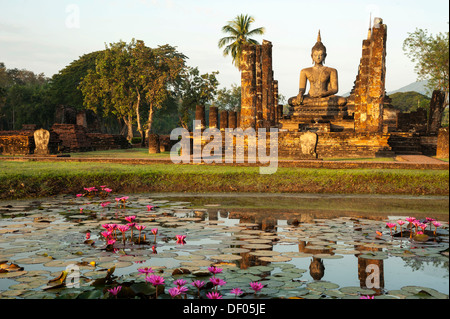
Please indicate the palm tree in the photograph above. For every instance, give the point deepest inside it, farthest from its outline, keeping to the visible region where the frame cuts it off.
(239, 31)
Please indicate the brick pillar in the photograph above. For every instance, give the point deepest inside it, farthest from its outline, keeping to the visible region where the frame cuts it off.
(232, 119)
(275, 116)
(258, 67)
(213, 116)
(369, 90)
(437, 105)
(248, 87)
(267, 79)
(223, 120)
(200, 115)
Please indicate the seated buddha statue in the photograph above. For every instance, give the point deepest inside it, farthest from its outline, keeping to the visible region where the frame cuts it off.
(323, 84)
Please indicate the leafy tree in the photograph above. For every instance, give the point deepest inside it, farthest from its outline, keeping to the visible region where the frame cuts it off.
(129, 78)
(24, 99)
(194, 89)
(239, 33)
(431, 54)
(64, 85)
(229, 99)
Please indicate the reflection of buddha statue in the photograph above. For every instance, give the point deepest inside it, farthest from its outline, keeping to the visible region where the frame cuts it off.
(323, 83)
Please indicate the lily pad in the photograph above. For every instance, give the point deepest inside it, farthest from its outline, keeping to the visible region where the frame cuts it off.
(226, 257)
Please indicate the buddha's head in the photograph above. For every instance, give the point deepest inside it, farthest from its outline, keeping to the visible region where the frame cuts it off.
(319, 51)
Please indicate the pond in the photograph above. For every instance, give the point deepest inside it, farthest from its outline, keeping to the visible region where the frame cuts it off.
(236, 246)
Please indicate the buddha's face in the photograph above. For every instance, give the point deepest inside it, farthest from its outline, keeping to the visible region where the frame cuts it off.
(318, 56)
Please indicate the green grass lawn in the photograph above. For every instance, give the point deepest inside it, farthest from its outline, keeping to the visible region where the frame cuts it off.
(32, 179)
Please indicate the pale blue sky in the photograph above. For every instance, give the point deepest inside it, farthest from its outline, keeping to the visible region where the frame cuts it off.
(46, 35)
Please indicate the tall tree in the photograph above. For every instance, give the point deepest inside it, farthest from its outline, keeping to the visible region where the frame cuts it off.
(431, 55)
(194, 89)
(239, 32)
(129, 77)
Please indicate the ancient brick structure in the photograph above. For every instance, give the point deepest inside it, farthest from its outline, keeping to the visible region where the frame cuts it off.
(368, 92)
(259, 90)
(213, 117)
(248, 87)
(223, 120)
(442, 143)
(200, 116)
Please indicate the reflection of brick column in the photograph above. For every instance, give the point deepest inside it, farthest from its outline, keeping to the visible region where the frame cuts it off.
(373, 268)
(267, 79)
(213, 116)
(223, 120)
(248, 87)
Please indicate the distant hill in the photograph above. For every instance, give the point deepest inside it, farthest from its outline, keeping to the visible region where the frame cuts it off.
(409, 101)
(419, 87)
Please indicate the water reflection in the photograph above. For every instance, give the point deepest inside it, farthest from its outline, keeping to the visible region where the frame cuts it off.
(306, 252)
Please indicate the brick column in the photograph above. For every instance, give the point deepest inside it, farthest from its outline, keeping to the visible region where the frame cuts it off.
(223, 120)
(267, 79)
(200, 115)
(213, 117)
(369, 90)
(248, 87)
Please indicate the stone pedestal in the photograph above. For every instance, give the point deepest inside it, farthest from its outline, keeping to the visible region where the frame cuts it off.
(153, 144)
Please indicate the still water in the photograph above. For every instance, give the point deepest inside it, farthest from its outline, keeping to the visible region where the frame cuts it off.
(302, 246)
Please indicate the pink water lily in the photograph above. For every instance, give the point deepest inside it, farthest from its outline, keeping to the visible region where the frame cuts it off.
(155, 280)
(174, 292)
(111, 242)
(390, 225)
(367, 297)
(214, 270)
(180, 282)
(140, 228)
(150, 207)
(236, 291)
(114, 291)
(146, 270)
(130, 219)
(79, 195)
(104, 204)
(256, 286)
(180, 239)
(217, 281)
(401, 223)
(214, 295)
(436, 225)
(198, 284)
(88, 235)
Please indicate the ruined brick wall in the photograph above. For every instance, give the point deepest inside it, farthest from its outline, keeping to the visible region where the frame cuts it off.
(100, 142)
(336, 144)
(16, 142)
(73, 138)
(368, 93)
